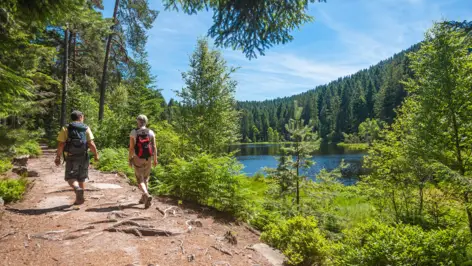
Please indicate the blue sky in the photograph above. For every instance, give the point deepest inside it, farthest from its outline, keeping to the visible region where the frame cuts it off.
(346, 36)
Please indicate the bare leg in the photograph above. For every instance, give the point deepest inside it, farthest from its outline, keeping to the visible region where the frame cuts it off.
(143, 187)
(82, 185)
(73, 183)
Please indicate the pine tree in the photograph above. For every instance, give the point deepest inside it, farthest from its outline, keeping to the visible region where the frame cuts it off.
(304, 144)
(210, 119)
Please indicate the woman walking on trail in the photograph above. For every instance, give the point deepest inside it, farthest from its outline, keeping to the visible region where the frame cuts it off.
(142, 146)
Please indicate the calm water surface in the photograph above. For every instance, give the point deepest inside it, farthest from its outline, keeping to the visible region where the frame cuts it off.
(255, 157)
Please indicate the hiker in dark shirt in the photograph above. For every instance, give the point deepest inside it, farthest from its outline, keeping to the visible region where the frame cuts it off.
(74, 140)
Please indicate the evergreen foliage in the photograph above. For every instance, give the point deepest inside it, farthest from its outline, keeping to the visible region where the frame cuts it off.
(337, 108)
(207, 109)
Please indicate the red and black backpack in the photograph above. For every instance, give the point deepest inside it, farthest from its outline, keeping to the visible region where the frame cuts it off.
(143, 147)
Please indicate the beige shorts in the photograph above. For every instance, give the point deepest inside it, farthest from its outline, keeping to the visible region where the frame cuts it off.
(142, 169)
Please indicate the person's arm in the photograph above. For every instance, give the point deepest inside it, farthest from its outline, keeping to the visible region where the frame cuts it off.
(93, 148)
(155, 150)
(91, 144)
(60, 150)
(131, 151)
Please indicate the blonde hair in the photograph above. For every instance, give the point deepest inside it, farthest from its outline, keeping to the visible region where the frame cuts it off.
(142, 120)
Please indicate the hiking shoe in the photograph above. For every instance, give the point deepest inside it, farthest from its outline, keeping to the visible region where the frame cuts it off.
(147, 202)
(79, 196)
(142, 200)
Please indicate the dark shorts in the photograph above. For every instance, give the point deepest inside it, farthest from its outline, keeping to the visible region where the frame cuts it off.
(77, 168)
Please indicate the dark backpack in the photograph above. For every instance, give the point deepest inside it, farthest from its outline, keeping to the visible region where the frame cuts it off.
(76, 144)
(143, 146)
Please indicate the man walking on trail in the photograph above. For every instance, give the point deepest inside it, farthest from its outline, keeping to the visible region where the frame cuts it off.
(142, 146)
(73, 143)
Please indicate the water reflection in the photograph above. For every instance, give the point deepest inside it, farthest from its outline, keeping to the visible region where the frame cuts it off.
(255, 157)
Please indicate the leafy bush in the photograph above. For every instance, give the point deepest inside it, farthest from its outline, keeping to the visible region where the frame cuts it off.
(12, 189)
(169, 144)
(5, 165)
(28, 148)
(207, 180)
(115, 160)
(18, 142)
(300, 239)
(375, 243)
(354, 146)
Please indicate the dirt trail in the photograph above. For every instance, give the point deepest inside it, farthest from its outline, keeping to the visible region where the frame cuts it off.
(112, 229)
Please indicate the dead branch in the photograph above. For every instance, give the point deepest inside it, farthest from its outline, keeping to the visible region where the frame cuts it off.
(161, 211)
(222, 250)
(7, 234)
(182, 246)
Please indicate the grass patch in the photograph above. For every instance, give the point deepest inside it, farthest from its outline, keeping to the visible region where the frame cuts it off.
(12, 189)
(354, 146)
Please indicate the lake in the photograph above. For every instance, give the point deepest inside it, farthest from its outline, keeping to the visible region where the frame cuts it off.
(255, 157)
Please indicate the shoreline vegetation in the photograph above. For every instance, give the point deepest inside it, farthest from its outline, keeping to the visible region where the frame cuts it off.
(354, 146)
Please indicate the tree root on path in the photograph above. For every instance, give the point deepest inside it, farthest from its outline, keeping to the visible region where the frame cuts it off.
(85, 228)
(105, 221)
(222, 250)
(143, 231)
(172, 208)
(130, 222)
(7, 234)
(49, 235)
(117, 214)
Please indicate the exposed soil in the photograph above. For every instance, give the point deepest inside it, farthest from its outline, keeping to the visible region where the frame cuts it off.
(111, 228)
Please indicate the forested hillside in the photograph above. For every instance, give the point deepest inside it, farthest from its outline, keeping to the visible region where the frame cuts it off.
(337, 107)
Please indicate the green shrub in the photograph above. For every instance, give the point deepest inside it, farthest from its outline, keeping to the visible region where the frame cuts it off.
(169, 144)
(374, 243)
(28, 148)
(115, 160)
(258, 176)
(5, 165)
(261, 218)
(12, 189)
(354, 146)
(207, 180)
(300, 239)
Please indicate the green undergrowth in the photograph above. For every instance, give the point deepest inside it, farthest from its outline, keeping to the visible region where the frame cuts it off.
(354, 146)
(12, 190)
(5, 165)
(116, 161)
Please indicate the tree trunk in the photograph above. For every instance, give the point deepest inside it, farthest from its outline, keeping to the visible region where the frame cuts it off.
(65, 73)
(105, 66)
(74, 56)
